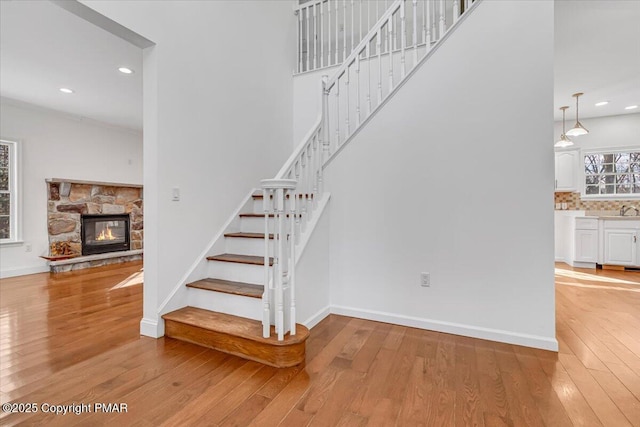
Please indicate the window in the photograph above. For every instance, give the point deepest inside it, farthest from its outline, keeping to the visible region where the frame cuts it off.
(609, 174)
(9, 197)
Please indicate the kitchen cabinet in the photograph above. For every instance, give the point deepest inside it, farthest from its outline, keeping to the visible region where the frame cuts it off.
(621, 242)
(566, 168)
(586, 240)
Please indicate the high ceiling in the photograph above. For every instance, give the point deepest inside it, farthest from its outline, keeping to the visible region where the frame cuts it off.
(597, 51)
(44, 48)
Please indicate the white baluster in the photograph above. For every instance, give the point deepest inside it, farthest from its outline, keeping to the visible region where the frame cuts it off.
(415, 32)
(424, 23)
(300, 67)
(347, 129)
(315, 38)
(429, 27)
(443, 25)
(389, 49)
(357, 91)
(337, 38)
(329, 32)
(403, 41)
(353, 27)
(311, 175)
(337, 88)
(360, 21)
(344, 30)
(368, 78)
(456, 10)
(292, 262)
(321, 34)
(325, 130)
(266, 309)
(378, 51)
(308, 51)
(368, 17)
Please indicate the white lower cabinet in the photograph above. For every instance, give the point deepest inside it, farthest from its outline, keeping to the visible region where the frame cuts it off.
(586, 246)
(621, 246)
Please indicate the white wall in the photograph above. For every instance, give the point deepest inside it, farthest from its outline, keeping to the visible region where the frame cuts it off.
(605, 132)
(218, 118)
(58, 145)
(451, 178)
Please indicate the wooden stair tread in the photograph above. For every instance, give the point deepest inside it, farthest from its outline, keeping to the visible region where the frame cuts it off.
(240, 259)
(233, 325)
(248, 235)
(229, 287)
(236, 335)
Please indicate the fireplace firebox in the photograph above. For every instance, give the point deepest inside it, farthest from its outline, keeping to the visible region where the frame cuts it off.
(104, 233)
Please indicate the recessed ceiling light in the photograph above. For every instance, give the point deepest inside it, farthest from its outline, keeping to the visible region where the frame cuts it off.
(600, 104)
(65, 90)
(631, 107)
(125, 70)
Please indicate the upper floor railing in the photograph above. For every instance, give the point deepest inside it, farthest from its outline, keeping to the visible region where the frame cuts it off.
(329, 30)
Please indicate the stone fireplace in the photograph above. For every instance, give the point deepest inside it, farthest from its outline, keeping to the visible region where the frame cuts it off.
(102, 207)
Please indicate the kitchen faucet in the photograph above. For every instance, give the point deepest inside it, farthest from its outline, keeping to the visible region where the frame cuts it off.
(624, 209)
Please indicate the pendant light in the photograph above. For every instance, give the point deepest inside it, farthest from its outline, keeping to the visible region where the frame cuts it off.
(577, 129)
(563, 141)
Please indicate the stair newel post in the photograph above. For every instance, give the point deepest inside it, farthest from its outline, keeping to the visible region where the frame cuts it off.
(266, 308)
(291, 264)
(278, 259)
(347, 127)
(456, 10)
(311, 182)
(403, 40)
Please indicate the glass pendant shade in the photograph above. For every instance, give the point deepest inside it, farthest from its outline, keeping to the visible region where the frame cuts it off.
(563, 141)
(577, 129)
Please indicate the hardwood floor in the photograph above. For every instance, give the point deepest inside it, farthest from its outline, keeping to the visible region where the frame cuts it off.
(73, 338)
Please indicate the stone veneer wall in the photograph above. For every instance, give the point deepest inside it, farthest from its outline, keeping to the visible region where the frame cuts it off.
(574, 202)
(67, 200)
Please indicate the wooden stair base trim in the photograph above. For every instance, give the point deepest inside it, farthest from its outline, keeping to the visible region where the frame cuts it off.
(240, 259)
(235, 335)
(229, 287)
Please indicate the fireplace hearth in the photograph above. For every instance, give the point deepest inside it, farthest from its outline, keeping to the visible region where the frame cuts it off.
(104, 233)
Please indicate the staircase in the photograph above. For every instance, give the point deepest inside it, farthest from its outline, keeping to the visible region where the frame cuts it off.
(244, 301)
(234, 288)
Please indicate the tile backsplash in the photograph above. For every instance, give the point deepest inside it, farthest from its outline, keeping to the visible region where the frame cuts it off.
(574, 202)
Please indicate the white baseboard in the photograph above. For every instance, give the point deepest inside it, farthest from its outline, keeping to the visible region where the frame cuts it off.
(23, 271)
(153, 328)
(317, 318)
(544, 343)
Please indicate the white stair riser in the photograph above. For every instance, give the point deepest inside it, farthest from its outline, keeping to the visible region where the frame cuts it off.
(237, 272)
(256, 225)
(236, 305)
(258, 207)
(246, 246)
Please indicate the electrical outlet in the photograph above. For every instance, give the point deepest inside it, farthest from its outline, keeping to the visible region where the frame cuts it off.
(425, 280)
(28, 247)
